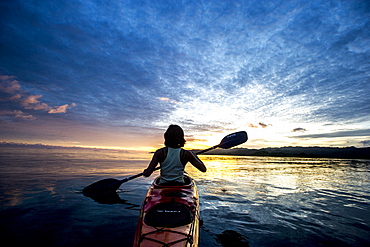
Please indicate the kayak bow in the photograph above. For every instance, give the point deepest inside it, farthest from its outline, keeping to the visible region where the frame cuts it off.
(169, 216)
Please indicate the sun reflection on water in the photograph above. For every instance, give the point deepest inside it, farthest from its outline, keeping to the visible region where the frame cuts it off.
(270, 176)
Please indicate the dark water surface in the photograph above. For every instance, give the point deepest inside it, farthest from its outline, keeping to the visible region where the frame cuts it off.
(245, 201)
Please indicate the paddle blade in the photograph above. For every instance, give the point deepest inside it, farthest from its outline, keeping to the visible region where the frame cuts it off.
(233, 140)
(103, 186)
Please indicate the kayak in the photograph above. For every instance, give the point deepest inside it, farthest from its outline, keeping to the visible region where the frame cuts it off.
(169, 216)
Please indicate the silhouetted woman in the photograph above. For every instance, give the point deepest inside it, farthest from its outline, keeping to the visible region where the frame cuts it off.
(173, 158)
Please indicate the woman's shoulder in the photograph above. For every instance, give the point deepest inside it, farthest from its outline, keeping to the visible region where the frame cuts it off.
(161, 153)
(185, 153)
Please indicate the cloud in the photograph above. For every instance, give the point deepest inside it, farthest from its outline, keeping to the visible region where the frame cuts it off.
(262, 125)
(14, 93)
(17, 114)
(191, 138)
(349, 133)
(299, 130)
(365, 143)
(61, 109)
(32, 102)
(8, 84)
(164, 98)
(168, 99)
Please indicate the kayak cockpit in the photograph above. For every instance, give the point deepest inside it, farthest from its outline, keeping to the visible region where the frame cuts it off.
(187, 183)
(171, 206)
(169, 215)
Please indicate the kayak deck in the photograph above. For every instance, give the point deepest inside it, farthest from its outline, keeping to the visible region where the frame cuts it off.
(169, 216)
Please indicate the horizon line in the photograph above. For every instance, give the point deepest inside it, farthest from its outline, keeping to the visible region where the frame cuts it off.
(7, 143)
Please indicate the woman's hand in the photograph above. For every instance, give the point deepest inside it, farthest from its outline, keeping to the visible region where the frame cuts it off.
(147, 173)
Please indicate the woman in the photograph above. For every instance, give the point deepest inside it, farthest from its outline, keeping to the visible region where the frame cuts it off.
(173, 158)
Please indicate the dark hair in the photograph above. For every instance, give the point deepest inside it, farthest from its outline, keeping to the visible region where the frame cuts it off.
(174, 137)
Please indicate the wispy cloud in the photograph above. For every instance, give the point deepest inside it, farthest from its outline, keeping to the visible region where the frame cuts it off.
(348, 133)
(17, 114)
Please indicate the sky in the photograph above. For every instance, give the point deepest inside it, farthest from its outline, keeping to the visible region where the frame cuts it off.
(117, 73)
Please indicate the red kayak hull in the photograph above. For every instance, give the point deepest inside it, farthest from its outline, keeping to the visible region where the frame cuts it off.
(169, 216)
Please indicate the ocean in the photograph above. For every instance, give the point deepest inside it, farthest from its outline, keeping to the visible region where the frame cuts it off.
(245, 200)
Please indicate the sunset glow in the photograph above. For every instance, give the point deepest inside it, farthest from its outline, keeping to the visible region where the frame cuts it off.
(116, 75)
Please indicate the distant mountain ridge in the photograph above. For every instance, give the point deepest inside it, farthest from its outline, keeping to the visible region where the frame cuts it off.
(304, 152)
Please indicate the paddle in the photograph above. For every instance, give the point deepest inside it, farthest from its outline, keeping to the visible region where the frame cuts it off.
(110, 184)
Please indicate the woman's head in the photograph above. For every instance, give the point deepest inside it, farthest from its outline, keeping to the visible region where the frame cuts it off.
(174, 137)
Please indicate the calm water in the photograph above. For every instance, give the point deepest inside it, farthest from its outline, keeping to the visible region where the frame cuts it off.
(245, 201)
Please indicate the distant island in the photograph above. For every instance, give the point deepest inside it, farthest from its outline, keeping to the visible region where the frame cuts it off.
(40, 145)
(37, 145)
(304, 152)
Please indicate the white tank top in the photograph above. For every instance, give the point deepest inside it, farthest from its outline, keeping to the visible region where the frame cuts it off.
(172, 169)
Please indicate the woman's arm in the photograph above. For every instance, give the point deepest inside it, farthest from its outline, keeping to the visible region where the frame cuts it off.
(195, 161)
(153, 163)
